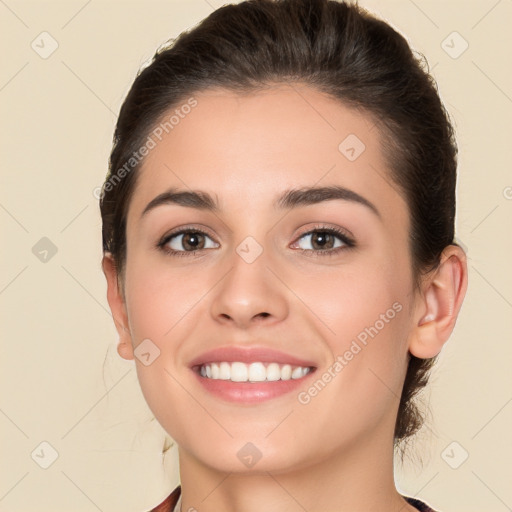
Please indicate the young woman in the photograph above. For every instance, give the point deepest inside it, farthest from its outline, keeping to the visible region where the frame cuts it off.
(278, 233)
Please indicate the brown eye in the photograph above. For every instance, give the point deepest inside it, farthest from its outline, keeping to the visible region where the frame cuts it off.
(188, 241)
(320, 240)
(192, 241)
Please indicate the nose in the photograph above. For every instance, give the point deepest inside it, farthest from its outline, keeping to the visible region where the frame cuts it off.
(249, 294)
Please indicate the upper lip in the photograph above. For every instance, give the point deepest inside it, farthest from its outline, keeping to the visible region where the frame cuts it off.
(253, 354)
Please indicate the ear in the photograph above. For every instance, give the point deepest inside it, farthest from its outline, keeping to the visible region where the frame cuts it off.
(440, 303)
(117, 305)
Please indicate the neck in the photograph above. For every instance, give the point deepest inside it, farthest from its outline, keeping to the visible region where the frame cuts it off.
(358, 478)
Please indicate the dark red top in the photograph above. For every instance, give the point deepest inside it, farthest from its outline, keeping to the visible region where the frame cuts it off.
(170, 502)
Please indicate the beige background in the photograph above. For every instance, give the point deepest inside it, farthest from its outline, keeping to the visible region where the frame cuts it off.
(58, 115)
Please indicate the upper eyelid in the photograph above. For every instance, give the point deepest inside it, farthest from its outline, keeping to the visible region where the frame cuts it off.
(180, 231)
(334, 230)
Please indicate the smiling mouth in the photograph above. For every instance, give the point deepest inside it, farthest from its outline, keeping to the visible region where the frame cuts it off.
(251, 372)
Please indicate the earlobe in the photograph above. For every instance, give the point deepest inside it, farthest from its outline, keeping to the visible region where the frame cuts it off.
(125, 349)
(117, 307)
(439, 306)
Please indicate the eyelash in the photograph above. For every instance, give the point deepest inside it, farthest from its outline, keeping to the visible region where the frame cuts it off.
(347, 241)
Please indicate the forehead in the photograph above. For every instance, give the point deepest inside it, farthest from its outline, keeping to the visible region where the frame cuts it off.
(244, 148)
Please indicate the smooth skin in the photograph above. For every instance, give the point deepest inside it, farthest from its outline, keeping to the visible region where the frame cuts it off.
(334, 453)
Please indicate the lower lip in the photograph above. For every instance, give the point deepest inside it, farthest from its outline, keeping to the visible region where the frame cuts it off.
(250, 392)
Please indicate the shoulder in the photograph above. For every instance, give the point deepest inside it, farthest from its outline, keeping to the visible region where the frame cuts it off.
(420, 505)
(169, 503)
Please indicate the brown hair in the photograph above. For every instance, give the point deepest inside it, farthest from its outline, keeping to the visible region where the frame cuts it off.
(340, 50)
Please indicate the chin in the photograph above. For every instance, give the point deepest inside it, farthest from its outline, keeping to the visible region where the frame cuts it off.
(248, 457)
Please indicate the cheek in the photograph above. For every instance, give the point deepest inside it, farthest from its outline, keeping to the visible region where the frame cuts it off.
(366, 310)
(163, 304)
(159, 298)
(349, 299)
(360, 389)
(160, 304)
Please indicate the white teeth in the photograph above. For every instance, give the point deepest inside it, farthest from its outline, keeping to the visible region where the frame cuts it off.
(296, 373)
(239, 372)
(257, 372)
(225, 371)
(273, 372)
(253, 372)
(286, 372)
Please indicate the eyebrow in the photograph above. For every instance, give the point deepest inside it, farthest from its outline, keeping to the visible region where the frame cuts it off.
(292, 198)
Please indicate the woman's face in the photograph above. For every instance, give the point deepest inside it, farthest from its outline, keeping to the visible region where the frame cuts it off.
(282, 275)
